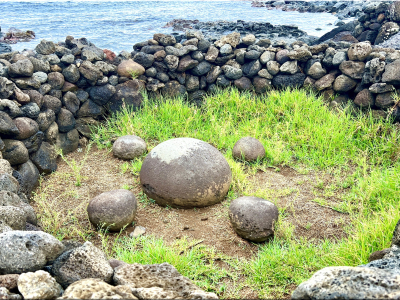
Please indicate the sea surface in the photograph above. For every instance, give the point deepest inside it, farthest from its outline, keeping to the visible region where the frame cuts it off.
(117, 25)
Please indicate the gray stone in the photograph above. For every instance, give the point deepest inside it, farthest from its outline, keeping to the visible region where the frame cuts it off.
(6, 88)
(232, 72)
(387, 30)
(252, 55)
(90, 72)
(15, 152)
(392, 73)
(261, 85)
(138, 231)
(301, 54)
(343, 84)
(187, 63)
(13, 217)
(8, 183)
(45, 47)
(129, 147)
(316, 71)
(192, 83)
(267, 56)
(45, 158)
(68, 142)
(83, 262)
(53, 103)
(251, 69)
(71, 73)
(45, 119)
(158, 282)
(26, 127)
(273, 67)
(223, 81)
(364, 99)
(7, 126)
(128, 93)
(243, 84)
(102, 94)
(30, 110)
(5, 293)
(92, 54)
(27, 83)
(212, 54)
(22, 68)
(40, 65)
(29, 177)
(213, 74)
(353, 69)
(225, 50)
(38, 285)
(338, 58)
(33, 143)
(349, 283)
(384, 100)
(51, 134)
(373, 71)
(248, 148)
(5, 166)
(282, 56)
(380, 88)
(90, 109)
(71, 102)
(112, 210)
(265, 74)
(289, 67)
(201, 69)
(253, 218)
(56, 80)
(285, 81)
(170, 178)
(65, 120)
(146, 60)
(27, 251)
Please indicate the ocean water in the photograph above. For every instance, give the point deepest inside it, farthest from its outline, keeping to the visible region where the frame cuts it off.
(118, 24)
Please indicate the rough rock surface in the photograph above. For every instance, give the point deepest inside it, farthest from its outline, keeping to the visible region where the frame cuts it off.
(185, 172)
(92, 288)
(129, 147)
(164, 277)
(83, 262)
(112, 210)
(27, 251)
(38, 285)
(350, 283)
(253, 218)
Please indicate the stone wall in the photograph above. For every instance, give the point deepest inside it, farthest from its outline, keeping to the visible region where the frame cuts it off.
(49, 97)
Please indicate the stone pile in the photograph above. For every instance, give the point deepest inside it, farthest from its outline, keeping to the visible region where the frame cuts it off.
(35, 265)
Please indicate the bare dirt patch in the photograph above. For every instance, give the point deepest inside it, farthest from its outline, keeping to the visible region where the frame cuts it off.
(60, 198)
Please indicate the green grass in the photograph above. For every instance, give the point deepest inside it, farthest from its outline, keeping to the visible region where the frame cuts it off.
(298, 130)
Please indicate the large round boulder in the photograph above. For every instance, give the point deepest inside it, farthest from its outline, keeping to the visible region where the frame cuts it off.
(128, 147)
(185, 172)
(248, 148)
(253, 218)
(112, 210)
(127, 68)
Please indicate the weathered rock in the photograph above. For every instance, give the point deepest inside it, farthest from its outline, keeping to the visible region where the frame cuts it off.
(192, 83)
(301, 54)
(9, 281)
(97, 289)
(71, 102)
(65, 120)
(201, 69)
(90, 109)
(22, 68)
(289, 67)
(364, 98)
(27, 251)
(129, 147)
(325, 82)
(39, 65)
(338, 58)
(158, 282)
(387, 30)
(7, 126)
(33, 143)
(380, 88)
(373, 71)
(5, 166)
(343, 84)
(171, 178)
(251, 68)
(248, 148)
(128, 93)
(45, 158)
(128, 67)
(15, 152)
(143, 59)
(353, 69)
(92, 54)
(253, 218)
(243, 84)
(90, 72)
(315, 70)
(45, 47)
(56, 80)
(8, 183)
(232, 39)
(359, 51)
(187, 63)
(212, 54)
(10, 199)
(349, 283)
(13, 217)
(29, 177)
(164, 39)
(392, 73)
(71, 74)
(267, 56)
(173, 89)
(273, 67)
(261, 85)
(45, 119)
(27, 83)
(30, 110)
(38, 285)
(26, 127)
(68, 142)
(232, 72)
(384, 100)
(5, 293)
(53, 103)
(83, 262)
(285, 81)
(112, 210)
(6, 88)
(378, 254)
(282, 56)
(21, 97)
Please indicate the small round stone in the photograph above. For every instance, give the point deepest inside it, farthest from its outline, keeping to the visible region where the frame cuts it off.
(185, 172)
(112, 210)
(128, 147)
(253, 218)
(249, 148)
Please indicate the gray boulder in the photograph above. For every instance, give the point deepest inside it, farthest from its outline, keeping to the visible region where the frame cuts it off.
(129, 147)
(253, 218)
(353, 69)
(185, 172)
(392, 73)
(22, 68)
(83, 262)
(8, 183)
(343, 84)
(27, 251)
(7, 126)
(45, 158)
(15, 152)
(112, 210)
(38, 285)
(350, 283)
(248, 148)
(68, 142)
(65, 120)
(45, 47)
(13, 217)
(28, 177)
(285, 81)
